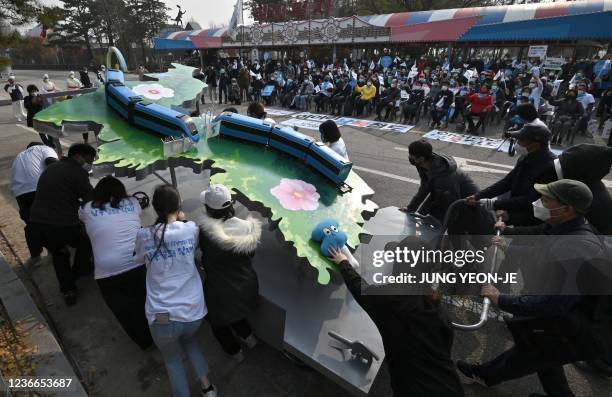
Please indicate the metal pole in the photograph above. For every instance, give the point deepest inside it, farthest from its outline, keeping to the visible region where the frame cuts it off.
(173, 176)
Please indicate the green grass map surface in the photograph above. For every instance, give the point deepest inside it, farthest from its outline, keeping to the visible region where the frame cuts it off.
(251, 169)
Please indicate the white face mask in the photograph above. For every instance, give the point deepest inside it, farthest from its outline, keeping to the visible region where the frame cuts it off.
(520, 150)
(541, 212)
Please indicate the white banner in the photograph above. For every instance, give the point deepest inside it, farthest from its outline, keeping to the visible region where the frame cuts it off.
(464, 139)
(537, 51)
(312, 121)
(554, 63)
(279, 112)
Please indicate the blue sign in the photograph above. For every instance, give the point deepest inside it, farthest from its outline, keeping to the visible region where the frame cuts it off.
(266, 56)
(386, 61)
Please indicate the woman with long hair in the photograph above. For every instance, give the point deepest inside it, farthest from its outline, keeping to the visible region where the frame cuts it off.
(175, 303)
(112, 220)
(228, 244)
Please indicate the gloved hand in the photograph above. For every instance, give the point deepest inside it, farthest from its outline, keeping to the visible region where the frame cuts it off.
(488, 204)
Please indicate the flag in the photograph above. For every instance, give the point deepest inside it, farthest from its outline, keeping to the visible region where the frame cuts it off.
(236, 16)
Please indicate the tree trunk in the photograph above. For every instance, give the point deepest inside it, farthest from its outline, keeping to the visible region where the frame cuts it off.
(144, 52)
(89, 50)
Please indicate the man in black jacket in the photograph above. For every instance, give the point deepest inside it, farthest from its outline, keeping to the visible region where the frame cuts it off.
(532, 139)
(416, 333)
(567, 114)
(392, 95)
(440, 105)
(551, 330)
(342, 94)
(442, 182)
(62, 188)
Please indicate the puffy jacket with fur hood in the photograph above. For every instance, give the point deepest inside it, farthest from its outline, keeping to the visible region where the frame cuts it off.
(230, 283)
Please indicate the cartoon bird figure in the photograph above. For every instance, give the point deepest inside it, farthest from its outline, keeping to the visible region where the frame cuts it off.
(328, 233)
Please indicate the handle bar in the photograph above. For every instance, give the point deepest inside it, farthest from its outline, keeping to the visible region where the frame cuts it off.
(486, 302)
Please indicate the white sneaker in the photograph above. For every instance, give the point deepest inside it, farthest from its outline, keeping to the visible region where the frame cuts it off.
(18, 120)
(210, 393)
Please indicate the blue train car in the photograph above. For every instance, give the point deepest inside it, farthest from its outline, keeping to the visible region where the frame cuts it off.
(289, 141)
(145, 114)
(244, 128)
(286, 140)
(329, 163)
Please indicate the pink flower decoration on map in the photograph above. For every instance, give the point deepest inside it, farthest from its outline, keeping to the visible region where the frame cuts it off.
(296, 195)
(153, 91)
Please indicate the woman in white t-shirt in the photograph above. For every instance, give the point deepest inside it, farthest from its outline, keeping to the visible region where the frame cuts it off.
(175, 303)
(112, 220)
(330, 135)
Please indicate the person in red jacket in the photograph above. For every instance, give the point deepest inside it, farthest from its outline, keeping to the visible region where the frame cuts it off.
(481, 103)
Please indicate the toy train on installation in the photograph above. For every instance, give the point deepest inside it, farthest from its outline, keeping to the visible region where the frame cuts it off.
(144, 114)
(284, 139)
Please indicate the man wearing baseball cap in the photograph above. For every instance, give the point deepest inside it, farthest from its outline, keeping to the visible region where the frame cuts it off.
(536, 158)
(551, 330)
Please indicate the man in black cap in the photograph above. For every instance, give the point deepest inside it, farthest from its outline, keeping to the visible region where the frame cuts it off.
(551, 330)
(536, 158)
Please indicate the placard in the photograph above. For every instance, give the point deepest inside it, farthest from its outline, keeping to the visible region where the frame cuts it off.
(537, 51)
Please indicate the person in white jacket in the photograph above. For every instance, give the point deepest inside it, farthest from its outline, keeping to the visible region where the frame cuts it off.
(47, 87)
(72, 83)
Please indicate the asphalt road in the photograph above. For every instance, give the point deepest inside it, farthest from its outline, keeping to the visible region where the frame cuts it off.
(381, 159)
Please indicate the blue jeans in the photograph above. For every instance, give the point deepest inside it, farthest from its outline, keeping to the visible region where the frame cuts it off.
(173, 340)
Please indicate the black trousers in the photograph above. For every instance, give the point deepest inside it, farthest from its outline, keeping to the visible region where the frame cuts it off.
(25, 203)
(222, 93)
(336, 103)
(320, 101)
(125, 295)
(56, 239)
(226, 335)
(470, 120)
(360, 104)
(388, 106)
(516, 363)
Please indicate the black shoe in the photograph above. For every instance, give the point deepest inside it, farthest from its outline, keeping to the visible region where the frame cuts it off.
(70, 297)
(467, 370)
(538, 395)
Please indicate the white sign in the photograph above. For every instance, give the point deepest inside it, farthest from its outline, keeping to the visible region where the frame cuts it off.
(554, 63)
(279, 112)
(312, 121)
(537, 51)
(464, 139)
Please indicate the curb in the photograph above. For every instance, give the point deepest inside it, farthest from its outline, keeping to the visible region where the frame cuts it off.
(50, 359)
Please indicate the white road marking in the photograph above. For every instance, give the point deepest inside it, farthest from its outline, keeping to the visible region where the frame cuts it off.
(386, 174)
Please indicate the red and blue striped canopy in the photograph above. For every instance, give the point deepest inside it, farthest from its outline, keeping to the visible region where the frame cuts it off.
(492, 15)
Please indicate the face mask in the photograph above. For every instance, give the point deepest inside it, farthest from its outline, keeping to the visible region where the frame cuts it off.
(444, 88)
(541, 212)
(369, 83)
(520, 150)
(532, 85)
(580, 92)
(411, 161)
(87, 166)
